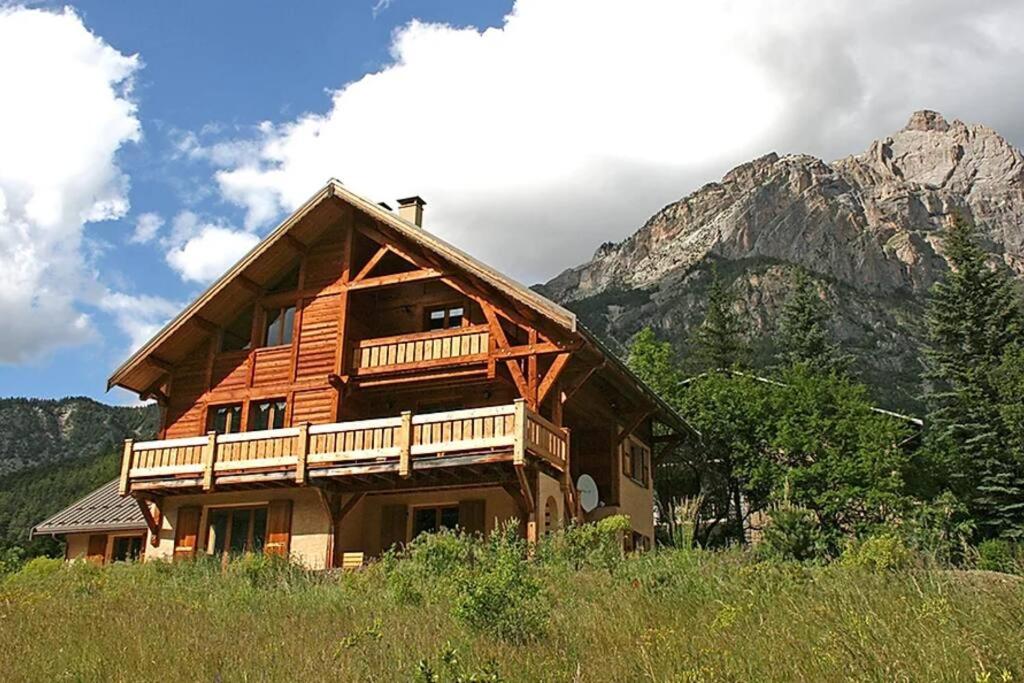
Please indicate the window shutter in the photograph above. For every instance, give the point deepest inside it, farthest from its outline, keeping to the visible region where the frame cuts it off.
(97, 551)
(627, 459)
(645, 459)
(279, 528)
(392, 525)
(472, 517)
(186, 532)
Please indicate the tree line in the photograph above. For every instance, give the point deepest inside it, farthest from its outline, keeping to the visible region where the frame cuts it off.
(801, 444)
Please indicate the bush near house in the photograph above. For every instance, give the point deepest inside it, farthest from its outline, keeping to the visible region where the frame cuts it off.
(453, 608)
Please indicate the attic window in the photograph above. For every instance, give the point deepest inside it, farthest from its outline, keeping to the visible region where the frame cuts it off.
(445, 317)
(238, 335)
(279, 323)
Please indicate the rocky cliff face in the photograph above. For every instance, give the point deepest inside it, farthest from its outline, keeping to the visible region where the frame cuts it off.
(867, 226)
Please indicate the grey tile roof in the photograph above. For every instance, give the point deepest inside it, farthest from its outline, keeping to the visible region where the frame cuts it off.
(101, 510)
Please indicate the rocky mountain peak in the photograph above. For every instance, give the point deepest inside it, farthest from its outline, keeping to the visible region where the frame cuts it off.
(868, 226)
(926, 119)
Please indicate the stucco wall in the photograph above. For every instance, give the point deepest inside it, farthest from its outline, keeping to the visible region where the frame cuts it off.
(549, 488)
(78, 546)
(310, 524)
(637, 502)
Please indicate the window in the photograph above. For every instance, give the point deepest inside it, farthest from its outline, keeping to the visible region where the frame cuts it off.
(433, 519)
(267, 414)
(278, 326)
(445, 317)
(235, 531)
(126, 548)
(238, 335)
(224, 419)
(635, 462)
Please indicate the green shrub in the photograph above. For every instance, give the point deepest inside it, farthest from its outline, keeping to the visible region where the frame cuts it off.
(793, 534)
(500, 595)
(997, 555)
(884, 552)
(597, 545)
(938, 529)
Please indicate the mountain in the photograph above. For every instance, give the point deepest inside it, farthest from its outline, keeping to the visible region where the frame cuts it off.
(38, 432)
(54, 452)
(866, 227)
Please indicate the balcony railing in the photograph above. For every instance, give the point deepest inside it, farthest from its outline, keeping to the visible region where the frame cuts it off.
(420, 350)
(396, 444)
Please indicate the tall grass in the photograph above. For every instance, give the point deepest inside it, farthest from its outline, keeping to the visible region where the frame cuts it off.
(669, 615)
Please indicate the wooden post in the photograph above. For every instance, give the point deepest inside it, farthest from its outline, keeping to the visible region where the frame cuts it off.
(405, 445)
(209, 460)
(126, 466)
(519, 433)
(300, 465)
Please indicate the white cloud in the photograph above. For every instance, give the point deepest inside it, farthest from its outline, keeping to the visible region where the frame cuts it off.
(147, 225)
(576, 119)
(209, 252)
(66, 111)
(139, 317)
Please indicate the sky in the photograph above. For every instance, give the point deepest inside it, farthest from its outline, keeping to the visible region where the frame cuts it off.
(145, 147)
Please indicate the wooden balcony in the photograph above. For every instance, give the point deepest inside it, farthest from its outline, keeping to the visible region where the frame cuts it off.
(420, 351)
(387, 449)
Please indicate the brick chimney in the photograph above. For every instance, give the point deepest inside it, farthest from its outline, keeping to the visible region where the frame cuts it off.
(411, 209)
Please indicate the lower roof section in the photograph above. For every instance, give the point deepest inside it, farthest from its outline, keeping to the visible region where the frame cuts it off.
(101, 511)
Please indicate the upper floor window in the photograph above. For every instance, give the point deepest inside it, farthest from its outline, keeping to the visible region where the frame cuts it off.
(267, 414)
(445, 317)
(226, 419)
(635, 462)
(238, 335)
(278, 326)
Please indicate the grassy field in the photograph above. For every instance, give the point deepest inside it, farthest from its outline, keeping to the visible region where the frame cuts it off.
(453, 612)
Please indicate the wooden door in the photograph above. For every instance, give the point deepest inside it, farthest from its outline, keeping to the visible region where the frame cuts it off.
(97, 550)
(393, 525)
(186, 532)
(472, 516)
(279, 528)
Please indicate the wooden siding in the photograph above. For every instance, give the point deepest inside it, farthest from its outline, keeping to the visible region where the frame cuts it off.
(318, 337)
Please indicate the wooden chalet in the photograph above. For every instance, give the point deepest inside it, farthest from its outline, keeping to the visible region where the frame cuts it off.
(354, 381)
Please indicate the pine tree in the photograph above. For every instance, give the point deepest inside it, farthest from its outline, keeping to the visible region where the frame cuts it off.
(974, 320)
(718, 342)
(804, 337)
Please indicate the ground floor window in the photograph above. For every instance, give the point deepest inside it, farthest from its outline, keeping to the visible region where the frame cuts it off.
(235, 531)
(126, 548)
(434, 518)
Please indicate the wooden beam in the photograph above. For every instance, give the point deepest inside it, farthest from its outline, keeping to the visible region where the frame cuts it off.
(249, 284)
(124, 486)
(631, 426)
(498, 333)
(524, 486)
(371, 264)
(571, 388)
(154, 393)
(159, 363)
(396, 279)
(525, 350)
(294, 243)
(205, 325)
(147, 514)
(551, 376)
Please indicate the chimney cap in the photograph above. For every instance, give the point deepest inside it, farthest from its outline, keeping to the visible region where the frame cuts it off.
(384, 205)
(415, 200)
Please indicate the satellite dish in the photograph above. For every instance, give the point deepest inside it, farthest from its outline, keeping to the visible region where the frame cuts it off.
(588, 492)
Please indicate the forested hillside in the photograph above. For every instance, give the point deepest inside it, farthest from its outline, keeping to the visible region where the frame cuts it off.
(54, 452)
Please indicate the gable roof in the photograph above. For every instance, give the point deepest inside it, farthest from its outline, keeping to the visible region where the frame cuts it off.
(101, 511)
(132, 374)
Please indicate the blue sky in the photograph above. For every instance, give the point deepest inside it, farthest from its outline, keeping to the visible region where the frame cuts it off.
(151, 144)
